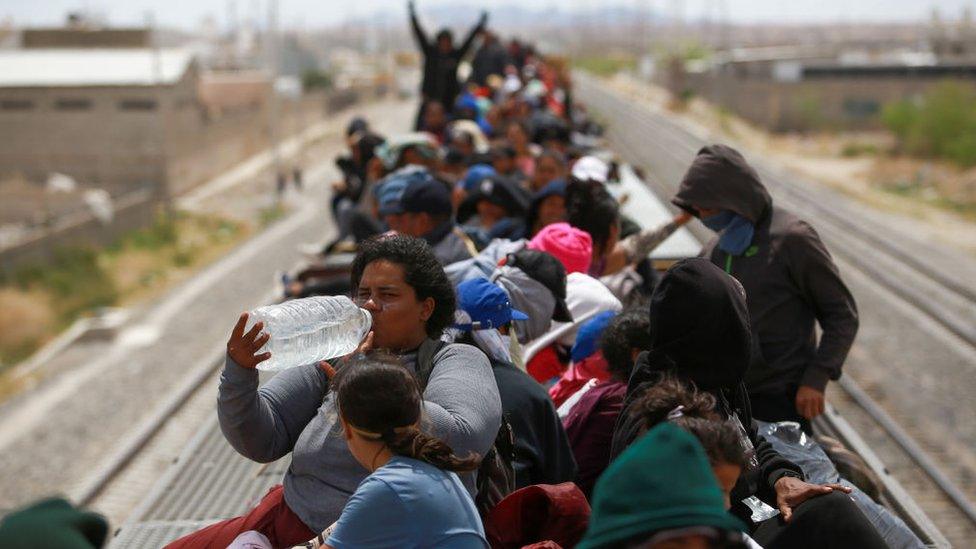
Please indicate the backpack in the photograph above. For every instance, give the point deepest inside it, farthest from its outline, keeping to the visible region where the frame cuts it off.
(496, 474)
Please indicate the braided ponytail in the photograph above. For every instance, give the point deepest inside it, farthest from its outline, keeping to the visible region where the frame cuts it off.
(380, 399)
(414, 443)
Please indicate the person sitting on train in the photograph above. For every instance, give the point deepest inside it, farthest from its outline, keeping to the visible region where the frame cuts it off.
(542, 453)
(535, 282)
(469, 181)
(435, 121)
(590, 207)
(412, 496)
(700, 334)
(469, 139)
(586, 359)
(549, 166)
(518, 137)
(426, 213)
(490, 59)
(347, 192)
(590, 414)
(791, 284)
(52, 523)
(399, 280)
(585, 297)
(548, 206)
(541, 516)
(495, 207)
(661, 493)
(503, 160)
(386, 215)
(410, 149)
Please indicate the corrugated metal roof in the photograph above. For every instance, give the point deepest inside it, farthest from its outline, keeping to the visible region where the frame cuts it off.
(92, 67)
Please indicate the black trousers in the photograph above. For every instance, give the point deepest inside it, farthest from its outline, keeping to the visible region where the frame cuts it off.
(832, 521)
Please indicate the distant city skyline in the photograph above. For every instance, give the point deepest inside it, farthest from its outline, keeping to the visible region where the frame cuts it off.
(189, 14)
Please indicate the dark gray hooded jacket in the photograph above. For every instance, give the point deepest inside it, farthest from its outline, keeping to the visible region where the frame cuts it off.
(791, 281)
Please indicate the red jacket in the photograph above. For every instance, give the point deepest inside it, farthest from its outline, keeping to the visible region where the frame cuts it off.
(593, 366)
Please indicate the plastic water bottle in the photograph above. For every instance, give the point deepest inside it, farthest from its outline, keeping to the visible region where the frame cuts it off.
(307, 330)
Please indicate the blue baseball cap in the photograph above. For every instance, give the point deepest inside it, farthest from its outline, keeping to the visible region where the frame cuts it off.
(588, 336)
(389, 190)
(487, 305)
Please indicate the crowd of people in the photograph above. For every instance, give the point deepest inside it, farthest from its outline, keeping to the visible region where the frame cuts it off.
(529, 379)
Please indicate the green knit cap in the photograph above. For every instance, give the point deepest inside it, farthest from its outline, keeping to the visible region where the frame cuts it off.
(661, 482)
(52, 524)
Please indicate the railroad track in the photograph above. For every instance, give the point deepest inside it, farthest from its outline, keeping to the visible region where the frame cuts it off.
(665, 148)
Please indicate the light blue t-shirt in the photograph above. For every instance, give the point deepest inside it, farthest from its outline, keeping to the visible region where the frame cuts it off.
(409, 503)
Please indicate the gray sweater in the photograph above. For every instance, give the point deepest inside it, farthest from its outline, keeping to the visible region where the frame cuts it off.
(295, 412)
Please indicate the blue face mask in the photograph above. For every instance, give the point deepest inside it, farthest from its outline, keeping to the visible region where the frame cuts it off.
(718, 221)
(737, 231)
(737, 236)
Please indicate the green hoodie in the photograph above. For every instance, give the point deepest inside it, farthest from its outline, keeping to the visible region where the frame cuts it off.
(661, 482)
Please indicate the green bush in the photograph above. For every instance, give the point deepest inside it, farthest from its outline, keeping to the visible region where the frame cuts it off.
(271, 214)
(942, 124)
(75, 279)
(606, 65)
(853, 150)
(313, 79)
(160, 234)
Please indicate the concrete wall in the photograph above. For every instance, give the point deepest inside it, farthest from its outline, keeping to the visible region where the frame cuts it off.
(122, 138)
(134, 210)
(85, 133)
(118, 149)
(203, 148)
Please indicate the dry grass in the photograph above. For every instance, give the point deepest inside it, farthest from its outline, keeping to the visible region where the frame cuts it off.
(26, 322)
(41, 300)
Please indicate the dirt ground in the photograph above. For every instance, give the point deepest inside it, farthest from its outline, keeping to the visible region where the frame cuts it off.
(938, 199)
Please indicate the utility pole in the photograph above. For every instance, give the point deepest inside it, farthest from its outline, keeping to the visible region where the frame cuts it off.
(162, 182)
(273, 54)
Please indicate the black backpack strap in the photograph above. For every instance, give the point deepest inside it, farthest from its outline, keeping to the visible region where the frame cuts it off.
(425, 360)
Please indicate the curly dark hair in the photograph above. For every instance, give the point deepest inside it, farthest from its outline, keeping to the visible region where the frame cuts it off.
(720, 437)
(381, 399)
(421, 271)
(591, 208)
(627, 331)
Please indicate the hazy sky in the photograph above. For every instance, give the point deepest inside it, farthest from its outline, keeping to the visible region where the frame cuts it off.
(313, 13)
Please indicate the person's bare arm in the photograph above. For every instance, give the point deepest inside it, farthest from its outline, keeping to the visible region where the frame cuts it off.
(637, 246)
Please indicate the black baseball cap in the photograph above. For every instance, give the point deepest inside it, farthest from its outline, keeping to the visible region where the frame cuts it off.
(499, 190)
(426, 195)
(544, 268)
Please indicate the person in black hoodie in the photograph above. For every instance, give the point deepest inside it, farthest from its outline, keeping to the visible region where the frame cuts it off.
(441, 61)
(347, 192)
(701, 335)
(790, 280)
(542, 451)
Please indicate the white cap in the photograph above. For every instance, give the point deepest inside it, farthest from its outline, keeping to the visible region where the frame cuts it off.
(591, 168)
